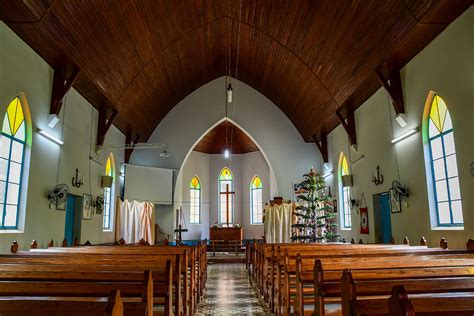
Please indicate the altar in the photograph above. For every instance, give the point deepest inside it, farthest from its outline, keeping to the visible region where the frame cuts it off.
(226, 233)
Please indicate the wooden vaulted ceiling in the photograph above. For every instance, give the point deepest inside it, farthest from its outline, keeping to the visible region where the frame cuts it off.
(226, 136)
(310, 58)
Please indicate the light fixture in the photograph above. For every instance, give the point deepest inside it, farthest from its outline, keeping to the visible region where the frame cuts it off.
(164, 153)
(226, 154)
(50, 137)
(53, 120)
(327, 175)
(229, 93)
(404, 135)
(355, 161)
(327, 166)
(400, 118)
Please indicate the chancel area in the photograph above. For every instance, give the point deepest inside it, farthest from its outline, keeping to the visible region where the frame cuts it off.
(236, 157)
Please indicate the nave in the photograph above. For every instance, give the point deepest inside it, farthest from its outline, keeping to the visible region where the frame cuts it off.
(229, 292)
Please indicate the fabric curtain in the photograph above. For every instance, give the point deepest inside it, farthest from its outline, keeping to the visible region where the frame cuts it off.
(278, 220)
(135, 221)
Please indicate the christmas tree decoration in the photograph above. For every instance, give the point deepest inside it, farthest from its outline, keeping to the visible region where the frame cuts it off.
(315, 217)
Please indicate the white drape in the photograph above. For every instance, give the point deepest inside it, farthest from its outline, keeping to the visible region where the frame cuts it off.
(135, 221)
(278, 220)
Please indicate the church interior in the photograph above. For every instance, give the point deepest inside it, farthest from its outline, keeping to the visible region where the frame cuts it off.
(215, 157)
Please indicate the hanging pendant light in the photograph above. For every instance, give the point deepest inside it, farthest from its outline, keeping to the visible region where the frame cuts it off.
(229, 93)
(226, 154)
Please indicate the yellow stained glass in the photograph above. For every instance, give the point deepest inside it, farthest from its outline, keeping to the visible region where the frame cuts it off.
(195, 183)
(344, 166)
(226, 174)
(15, 115)
(257, 183)
(438, 112)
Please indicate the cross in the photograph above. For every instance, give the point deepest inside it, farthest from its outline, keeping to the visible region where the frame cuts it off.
(227, 194)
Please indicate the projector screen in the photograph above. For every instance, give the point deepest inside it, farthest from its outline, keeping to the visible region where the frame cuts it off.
(149, 184)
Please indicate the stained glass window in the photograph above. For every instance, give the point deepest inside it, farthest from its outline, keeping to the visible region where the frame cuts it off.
(195, 201)
(256, 200)
(344, 193)
(12, 155)
(226, 184)
(443, 162)
(109, 194)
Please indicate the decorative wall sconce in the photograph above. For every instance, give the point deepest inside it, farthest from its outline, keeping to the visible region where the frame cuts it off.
(78, 180)
(379, 179)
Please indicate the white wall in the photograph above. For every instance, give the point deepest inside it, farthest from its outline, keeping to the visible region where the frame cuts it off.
(446, 67)
(22, 70)
(288, 155)
(208, 167)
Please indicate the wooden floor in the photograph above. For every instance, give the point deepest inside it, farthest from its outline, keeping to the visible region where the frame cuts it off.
(229, 292)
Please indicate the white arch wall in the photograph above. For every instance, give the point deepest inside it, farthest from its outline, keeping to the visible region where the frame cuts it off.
(287, 153)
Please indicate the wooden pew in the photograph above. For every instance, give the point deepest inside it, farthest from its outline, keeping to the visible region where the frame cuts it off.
(401, 303)
(120, 261)
(137, 296)
(371, 296)
(56, 306)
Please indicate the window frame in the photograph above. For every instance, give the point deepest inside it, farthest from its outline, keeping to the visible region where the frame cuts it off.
(111, 193)
(343, 191)
(199, 208)
(231, 188)
(252, 204)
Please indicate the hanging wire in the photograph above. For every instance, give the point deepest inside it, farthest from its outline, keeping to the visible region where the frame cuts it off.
(90, 151)
(62, 137)
(236, 72)
(391, 128)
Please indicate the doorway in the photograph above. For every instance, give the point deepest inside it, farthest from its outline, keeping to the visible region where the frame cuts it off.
(382, 219)
(73, 218)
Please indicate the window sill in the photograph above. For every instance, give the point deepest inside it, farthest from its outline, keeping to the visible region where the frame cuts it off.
(256, 224)
(195, 224)
(11, 231)
(107, 231)
(448, 228)
(347, 229)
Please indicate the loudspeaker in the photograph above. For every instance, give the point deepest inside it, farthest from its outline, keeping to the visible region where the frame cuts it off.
(107, 181)
(347, 180)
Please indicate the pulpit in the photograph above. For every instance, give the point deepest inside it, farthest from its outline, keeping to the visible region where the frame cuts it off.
(226, 233)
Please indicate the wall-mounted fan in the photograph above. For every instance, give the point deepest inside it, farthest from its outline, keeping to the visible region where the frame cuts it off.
(399, 193)
(58, 195)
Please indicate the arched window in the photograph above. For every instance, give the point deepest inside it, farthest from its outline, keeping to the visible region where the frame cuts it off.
(12, 160)
(344, 193)
(256, 200)
(195, 201)
(441, 165)
(226, 185)
(109, 193)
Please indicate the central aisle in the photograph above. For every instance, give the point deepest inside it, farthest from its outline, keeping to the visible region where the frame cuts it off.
(228, 292)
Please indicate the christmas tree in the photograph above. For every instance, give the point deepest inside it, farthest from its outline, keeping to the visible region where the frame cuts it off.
(315, 214)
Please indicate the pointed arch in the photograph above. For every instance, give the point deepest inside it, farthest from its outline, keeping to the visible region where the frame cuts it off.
(226, 181)
(444, 193)
(344, 193)
(109, 194)
(195, 201)
(256, 200)
(15, 143)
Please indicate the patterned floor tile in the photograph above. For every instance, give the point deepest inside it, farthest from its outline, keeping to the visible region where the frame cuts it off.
(229, 292)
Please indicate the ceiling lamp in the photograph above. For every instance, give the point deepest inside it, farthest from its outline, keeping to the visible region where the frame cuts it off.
(229, 93)
(404, 135)
(400, 118)
(226, 154)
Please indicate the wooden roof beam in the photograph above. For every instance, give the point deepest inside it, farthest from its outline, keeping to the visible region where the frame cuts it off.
(393, 85)
(61, 86)
(322, 146)
(104, 125)
(349, 126)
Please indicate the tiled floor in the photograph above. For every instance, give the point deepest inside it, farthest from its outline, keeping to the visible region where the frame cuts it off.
(228, 292)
